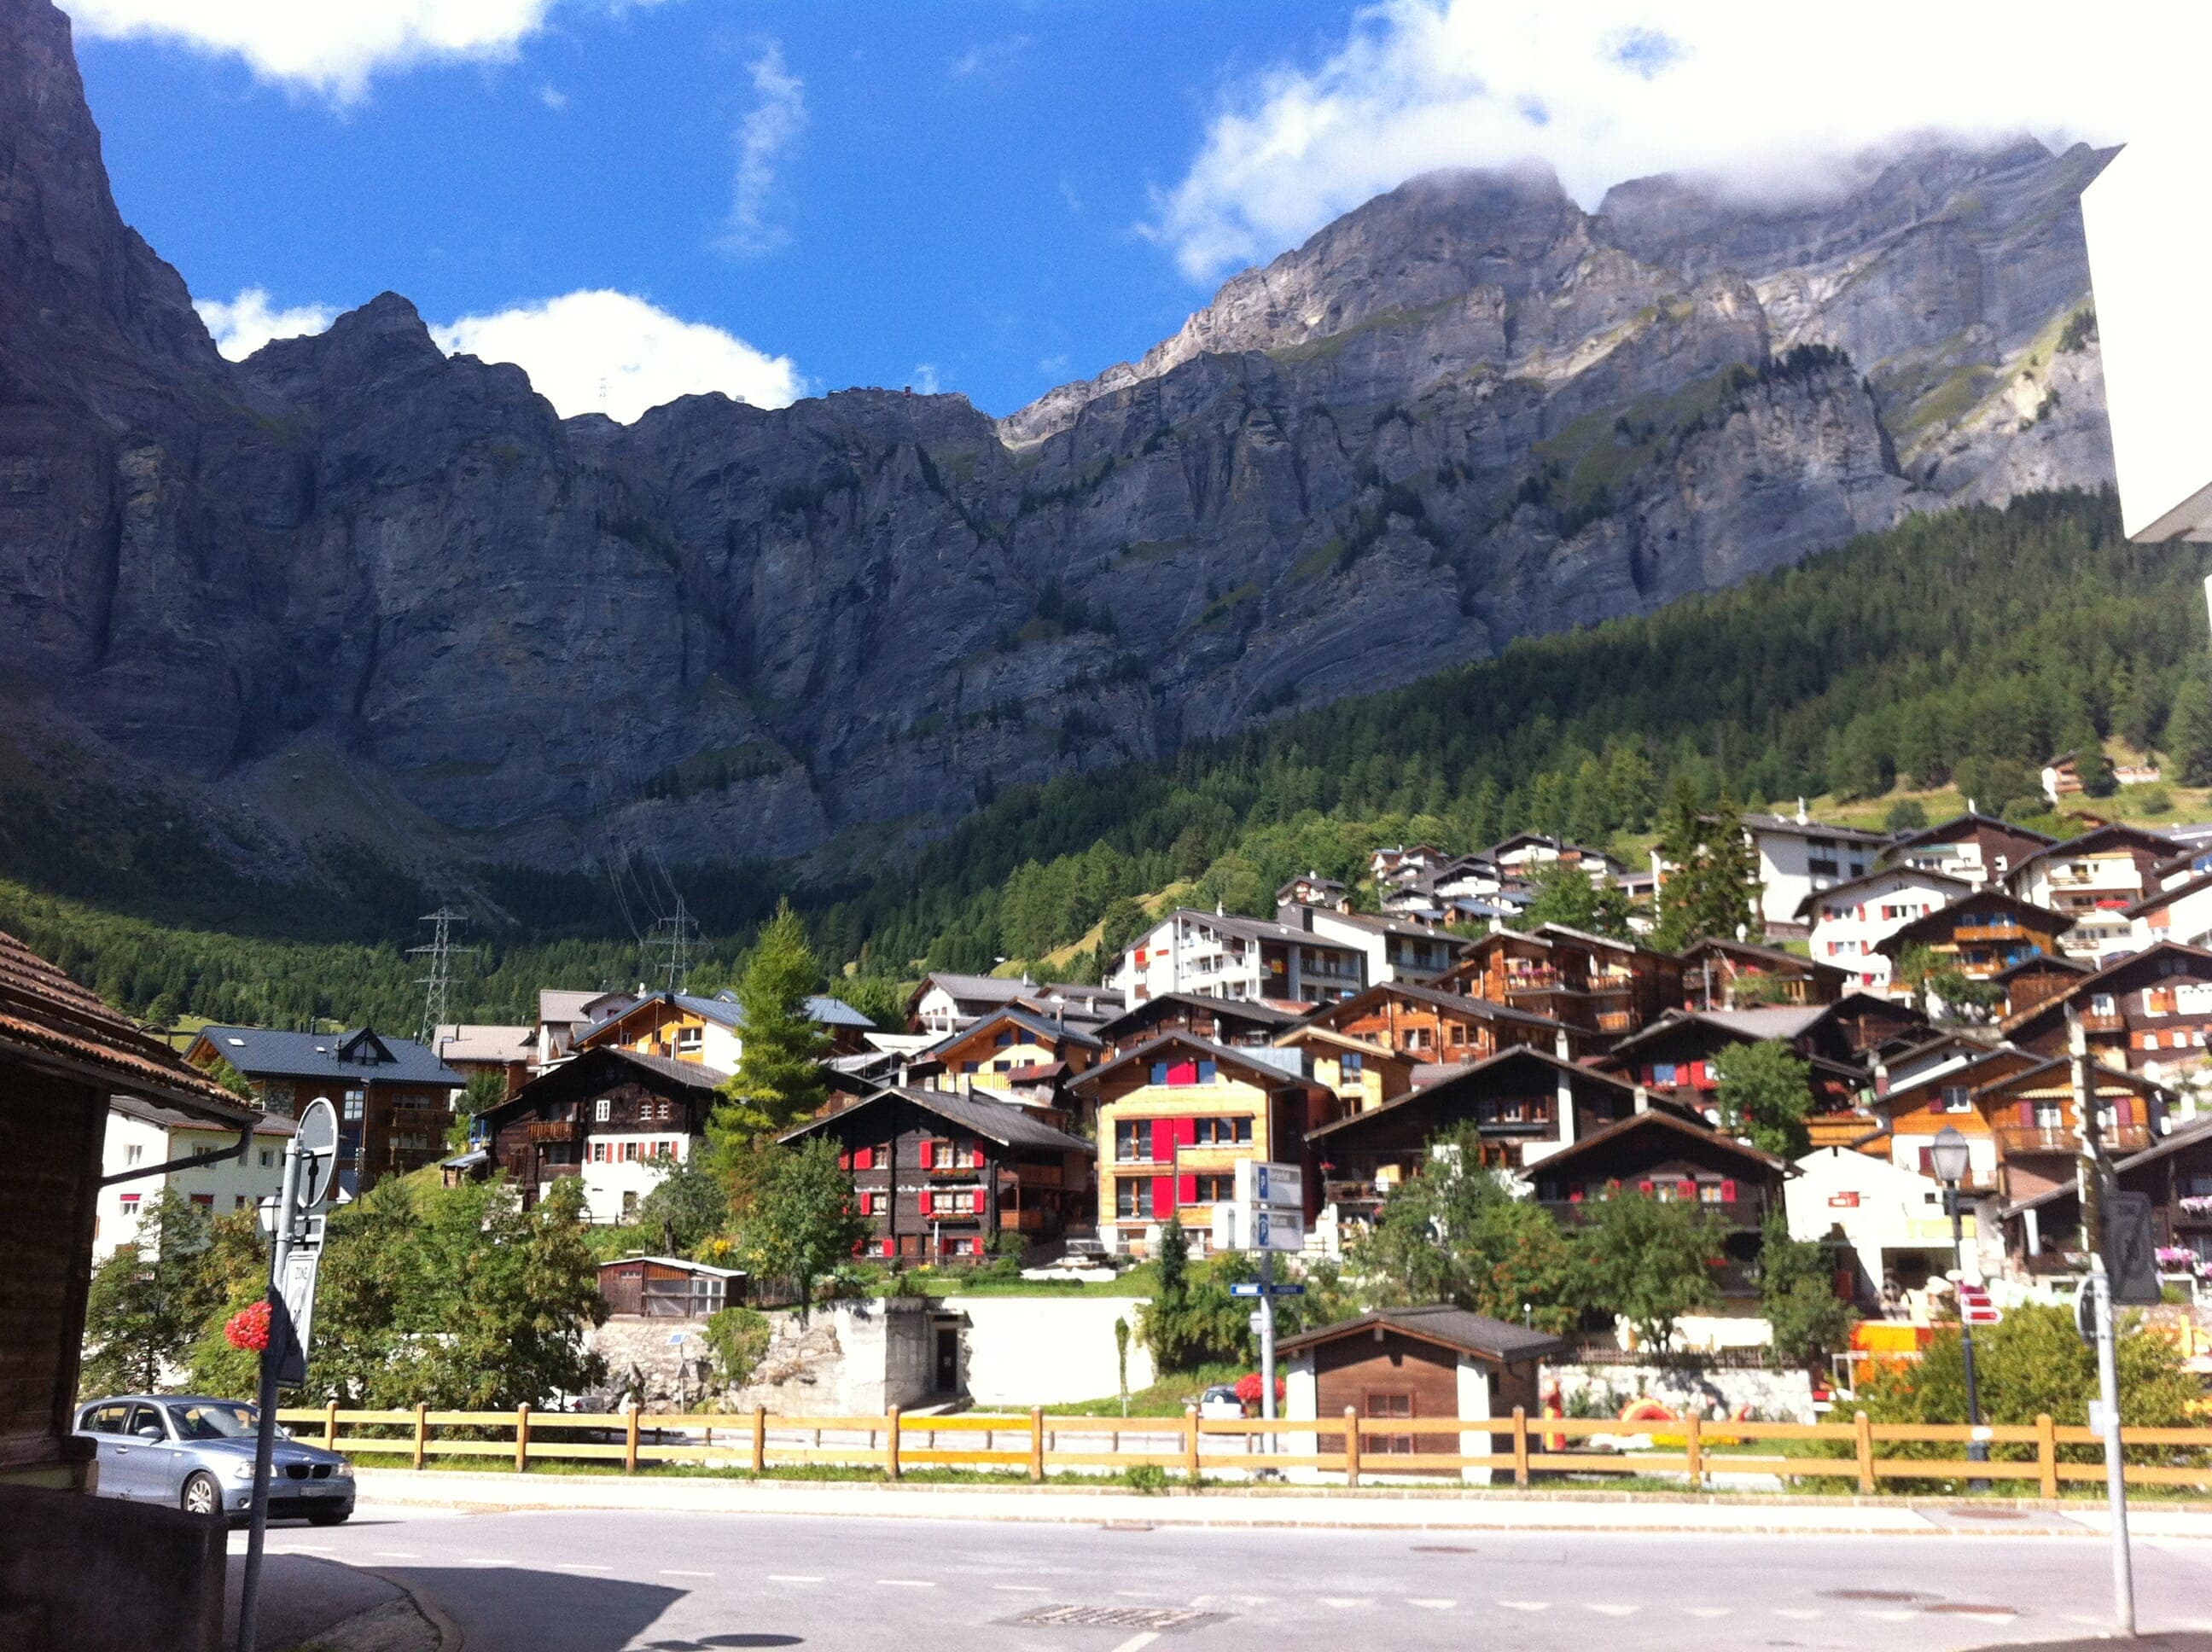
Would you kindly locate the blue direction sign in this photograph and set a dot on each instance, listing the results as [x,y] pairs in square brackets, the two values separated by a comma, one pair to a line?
[1253,1290]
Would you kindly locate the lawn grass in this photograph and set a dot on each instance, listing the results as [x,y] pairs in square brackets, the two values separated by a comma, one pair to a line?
[1166,1397]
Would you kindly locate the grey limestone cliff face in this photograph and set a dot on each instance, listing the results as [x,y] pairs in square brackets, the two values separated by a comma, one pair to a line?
[1468,411]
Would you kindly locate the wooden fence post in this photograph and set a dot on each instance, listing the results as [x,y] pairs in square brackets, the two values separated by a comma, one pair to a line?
[1520,1446]
[1037,1444]
[2046,1454]
[891,1444]
[521,1438]
[629,1442]
[1351,1445]
[1189,1442]
[1694,1449]
[1863,1438]
[760,1439]
[331,1426]
[422,1432]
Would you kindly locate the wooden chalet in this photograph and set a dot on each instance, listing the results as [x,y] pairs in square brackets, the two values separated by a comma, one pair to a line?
[1982,935]
[2037,980]
[1946,1093]
[1402,1364]
[2043,1232]
[1363,1074]
[63,1054]
[1663,1155]
[1176,1116]
[1231,1022]
[940,1177]
[1980,849]
[1725,975]
[2036,1124]
[668,1288]
[710,1031]
[1431,1024]
[1677,1056]
[1524,1104]
[2093,879]
[394,1097]
[1602,990]
[1017,1053]
[609,1114]
[2150,1011]
[1310,888]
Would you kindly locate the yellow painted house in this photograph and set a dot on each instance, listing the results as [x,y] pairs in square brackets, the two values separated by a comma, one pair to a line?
[1015,1049]
[1174,1117]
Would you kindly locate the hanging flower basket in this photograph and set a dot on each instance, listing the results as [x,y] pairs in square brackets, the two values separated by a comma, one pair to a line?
[248,1328]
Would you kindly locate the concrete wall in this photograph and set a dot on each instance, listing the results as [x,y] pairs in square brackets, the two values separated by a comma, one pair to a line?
[1030,1350]
[1775,1396]
[94,1572]
[852,1359]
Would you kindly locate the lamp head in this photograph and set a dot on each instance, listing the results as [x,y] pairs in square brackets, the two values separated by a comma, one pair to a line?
[1948,1156]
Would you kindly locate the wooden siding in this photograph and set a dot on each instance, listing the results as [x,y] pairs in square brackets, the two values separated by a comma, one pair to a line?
[51,1134]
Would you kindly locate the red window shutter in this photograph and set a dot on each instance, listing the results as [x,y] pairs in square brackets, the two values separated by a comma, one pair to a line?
[1185,1133]
[1164,1204]
[2027,1114]
[1645,1188]
[928,1202]
[1727,1192]
[1186,1190]
[928,1154]
[2123,1111]
[1183,1073]
[1688,1190]
[845,1160]
[864,1158]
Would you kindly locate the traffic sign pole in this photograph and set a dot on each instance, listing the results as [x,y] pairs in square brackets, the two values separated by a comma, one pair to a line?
[2091,1189]
[264,1438]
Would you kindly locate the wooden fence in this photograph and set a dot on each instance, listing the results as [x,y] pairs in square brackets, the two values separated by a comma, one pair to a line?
[1366,1448]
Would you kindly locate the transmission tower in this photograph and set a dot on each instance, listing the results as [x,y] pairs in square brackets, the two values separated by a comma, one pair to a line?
[675,934]
[441,952]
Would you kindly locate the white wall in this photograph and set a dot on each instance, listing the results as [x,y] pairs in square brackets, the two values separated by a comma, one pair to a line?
[228,1186]
[1474,1401]
[1030,1350]
[1896,1207]
[604,1185]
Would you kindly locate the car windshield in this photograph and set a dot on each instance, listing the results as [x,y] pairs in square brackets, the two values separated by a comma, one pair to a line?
[203,1420]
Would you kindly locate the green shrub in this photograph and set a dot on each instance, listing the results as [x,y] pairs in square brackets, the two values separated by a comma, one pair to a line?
[1147,1479]
[738,1337]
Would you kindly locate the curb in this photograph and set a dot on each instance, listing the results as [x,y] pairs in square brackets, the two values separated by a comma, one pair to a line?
[372,1631]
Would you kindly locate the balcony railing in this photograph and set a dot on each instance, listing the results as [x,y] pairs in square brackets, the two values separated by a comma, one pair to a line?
[2062,1138]
[1736,1212]
[2103,1023]
[552,1130]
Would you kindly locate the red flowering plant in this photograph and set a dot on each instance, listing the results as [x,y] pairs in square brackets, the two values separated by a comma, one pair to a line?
[1248,1388]
[248,1328]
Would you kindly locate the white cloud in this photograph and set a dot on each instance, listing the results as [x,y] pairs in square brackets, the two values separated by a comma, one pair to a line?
[924,378]
[989,58]
[330,47]
[247,322]
[777,117]
[604,351]
[554,99]
[1606,90]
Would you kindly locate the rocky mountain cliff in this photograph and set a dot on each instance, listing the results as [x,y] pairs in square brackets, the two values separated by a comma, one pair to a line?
[353,584]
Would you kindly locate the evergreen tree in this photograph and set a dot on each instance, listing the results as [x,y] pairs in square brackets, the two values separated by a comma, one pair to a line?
[1712,882]
[779,1081]
[2187,739]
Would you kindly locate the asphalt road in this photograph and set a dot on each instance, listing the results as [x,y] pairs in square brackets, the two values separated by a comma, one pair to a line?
[599,1581]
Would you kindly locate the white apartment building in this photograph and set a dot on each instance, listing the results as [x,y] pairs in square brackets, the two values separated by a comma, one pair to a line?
[1849,919]
[1396,950]
[1894,1217]
[140,1135]
[2180,912]
[2094,879]
[1799,857]
[1217,954]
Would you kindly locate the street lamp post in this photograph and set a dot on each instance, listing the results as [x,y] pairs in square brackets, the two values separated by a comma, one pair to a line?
[1949,1157]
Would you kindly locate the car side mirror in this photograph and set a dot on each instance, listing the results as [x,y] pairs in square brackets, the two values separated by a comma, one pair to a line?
[149,1432]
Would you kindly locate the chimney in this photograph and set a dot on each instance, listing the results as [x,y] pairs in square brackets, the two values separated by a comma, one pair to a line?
[1566,1092]
[1642,1099]
[1220,909]
[1801,815]
[902,1070]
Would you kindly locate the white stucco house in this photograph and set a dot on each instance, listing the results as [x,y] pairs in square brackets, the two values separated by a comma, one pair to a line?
[140,1135]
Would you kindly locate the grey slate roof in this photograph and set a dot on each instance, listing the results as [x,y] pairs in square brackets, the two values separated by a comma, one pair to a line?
[1453,1327]
[263,1053]
[999,1122]
[724,1009]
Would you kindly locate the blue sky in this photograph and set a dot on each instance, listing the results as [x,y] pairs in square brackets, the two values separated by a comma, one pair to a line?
[963,194]
[634,198]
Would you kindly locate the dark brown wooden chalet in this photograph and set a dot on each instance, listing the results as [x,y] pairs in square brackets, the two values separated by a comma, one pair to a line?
[1603,989]
[1725,975]
[1980,848]
[1664,1157]
[1677,1056]
[2150,1011]
[941,1177]
[1981,933]
[1858,1024]
[62,1054]
[1525,1103]
[1431,1024]
[668,1287]
[2043,1232]
[1230,1023]
[1403,1365]
[594,1114]
[2036,981]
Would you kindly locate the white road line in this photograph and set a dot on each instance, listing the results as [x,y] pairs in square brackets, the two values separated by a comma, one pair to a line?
[1898,1614]
[905,1583]
[1139,1642]
[1020,1588]
[578,1565]
[1526,1606]
[1803,1614]
[1343,1603]
[1708,1611]
[669,1571]
[396,1554]
[1433,1605]
[1609,1611]
[486,1560]
[790,1577]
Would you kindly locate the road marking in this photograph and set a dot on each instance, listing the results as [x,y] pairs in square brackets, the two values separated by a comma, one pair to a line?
[1526,1606]
[1019,1588]
[578,1565]
[1609,1611]
[1342,1602]
[669,1571]
[1802,1613]
[1433,1605]
[1139,1642]
[396,1554]
[904,1583]
[1898,1615]
[1708,1611]
[790,1577]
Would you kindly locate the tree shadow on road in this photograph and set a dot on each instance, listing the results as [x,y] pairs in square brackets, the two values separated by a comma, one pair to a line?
[512,1609]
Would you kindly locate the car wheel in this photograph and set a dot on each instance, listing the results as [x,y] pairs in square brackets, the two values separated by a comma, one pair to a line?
[201,1495]
[329,1516]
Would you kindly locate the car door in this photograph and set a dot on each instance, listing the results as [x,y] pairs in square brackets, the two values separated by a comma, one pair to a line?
[157,1464]
[105,1425]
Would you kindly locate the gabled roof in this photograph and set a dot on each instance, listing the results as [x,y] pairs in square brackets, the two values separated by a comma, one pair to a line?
[1257,1011]
[1004,1122]
[2166,897]
[556,1004]
[1783,1022]
[1459,1003]
[168,1118]
[1881,874]
[1936,1078]
[724,1009]
[1658,1119]
[1028,1020]
[1950,913]
[361,1055]
[2054,1004]
[606,1065]
[1455,1328]
[1761,823]
[2042,961]
[1959,826]
[2097,841]
[2099,1073]
[1773,956]
[1448,1077]
[459,1041]
[1245,1060]
[48,1021]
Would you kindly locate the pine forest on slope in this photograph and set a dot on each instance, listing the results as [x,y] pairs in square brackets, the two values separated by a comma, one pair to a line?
[1965,647]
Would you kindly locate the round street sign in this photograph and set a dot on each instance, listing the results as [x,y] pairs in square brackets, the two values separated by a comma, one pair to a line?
[317,1139]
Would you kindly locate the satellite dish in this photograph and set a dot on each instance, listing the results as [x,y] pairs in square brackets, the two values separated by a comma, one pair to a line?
[317,1143]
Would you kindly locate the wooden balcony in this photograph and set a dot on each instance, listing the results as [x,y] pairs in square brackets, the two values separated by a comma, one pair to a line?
[541,1130]
[2003,931]
[1734,1212]
[2103,1023]
[2061,1139]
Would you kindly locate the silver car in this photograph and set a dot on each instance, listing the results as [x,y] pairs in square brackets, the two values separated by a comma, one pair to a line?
[196,1453]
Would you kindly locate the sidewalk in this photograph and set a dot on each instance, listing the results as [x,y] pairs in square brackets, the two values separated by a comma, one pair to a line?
[1379,1509]
[335,1608]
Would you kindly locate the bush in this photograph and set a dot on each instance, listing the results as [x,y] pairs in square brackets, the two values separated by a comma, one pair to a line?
[1905,815]
[1146,1479]
[738,1337]
[2154,799]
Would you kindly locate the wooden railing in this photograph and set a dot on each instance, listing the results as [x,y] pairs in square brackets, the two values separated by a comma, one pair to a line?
[1515,1447]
